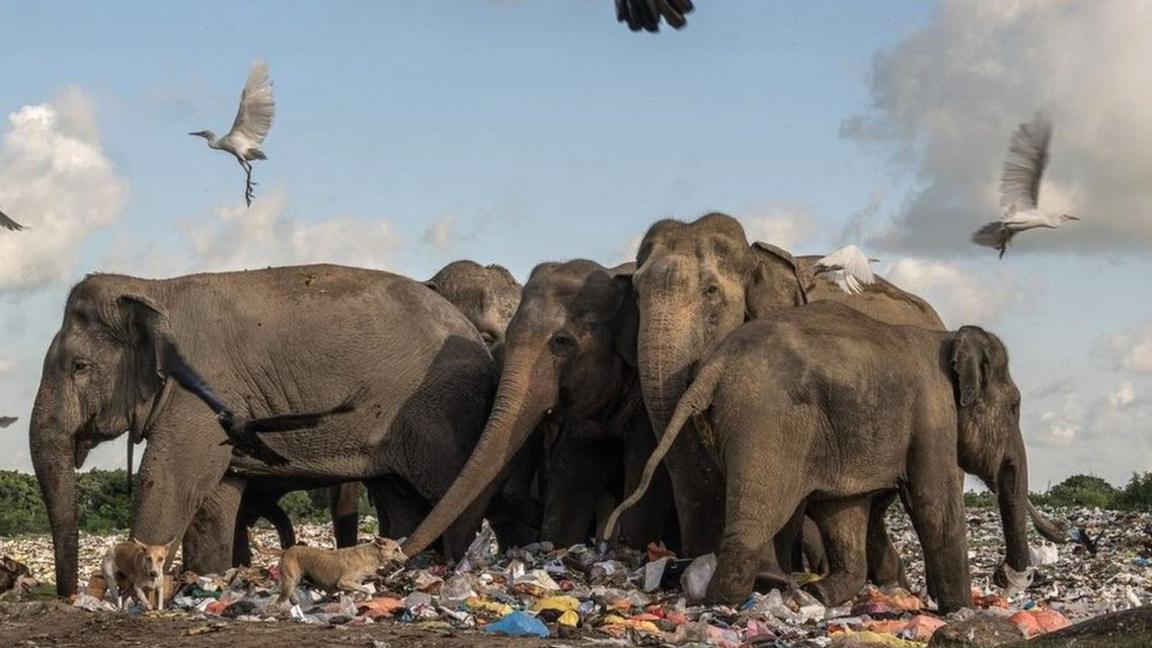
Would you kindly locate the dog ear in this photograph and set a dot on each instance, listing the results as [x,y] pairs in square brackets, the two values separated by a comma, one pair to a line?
[137,542]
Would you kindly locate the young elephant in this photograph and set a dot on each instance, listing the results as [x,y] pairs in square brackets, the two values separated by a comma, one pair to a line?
[825,405]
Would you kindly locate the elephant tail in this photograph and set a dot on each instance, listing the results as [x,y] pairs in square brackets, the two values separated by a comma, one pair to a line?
[696,399]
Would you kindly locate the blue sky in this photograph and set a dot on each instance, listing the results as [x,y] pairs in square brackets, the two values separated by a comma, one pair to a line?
[411,134]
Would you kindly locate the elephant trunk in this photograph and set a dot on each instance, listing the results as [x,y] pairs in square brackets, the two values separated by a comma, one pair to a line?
[664,354]
[54,457]
[528,388]
[1012,496]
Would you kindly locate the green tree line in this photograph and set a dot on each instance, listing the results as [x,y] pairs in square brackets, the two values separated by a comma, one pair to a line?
[104,504]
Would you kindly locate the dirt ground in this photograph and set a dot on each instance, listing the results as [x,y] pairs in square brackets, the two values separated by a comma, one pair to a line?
[55,625]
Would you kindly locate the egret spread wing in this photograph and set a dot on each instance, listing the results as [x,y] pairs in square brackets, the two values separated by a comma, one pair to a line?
[257,107]
[9,224]
[646,14]
[1027,157]
[855,264]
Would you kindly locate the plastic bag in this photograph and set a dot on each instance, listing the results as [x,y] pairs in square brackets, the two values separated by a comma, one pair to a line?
[518,624]
[695,579]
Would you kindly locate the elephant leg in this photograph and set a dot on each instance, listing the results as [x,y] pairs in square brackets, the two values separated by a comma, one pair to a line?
[843,525]
[698,491]
[812,547]
[241,541]
[776,575]
[761,499]
[282,523]
[208,539]
[579,474]
[344,504]
[648,520]
[936,498]
[400,509]
[884,565]
[515,514]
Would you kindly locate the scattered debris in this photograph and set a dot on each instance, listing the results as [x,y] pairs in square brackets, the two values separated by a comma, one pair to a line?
[639,597]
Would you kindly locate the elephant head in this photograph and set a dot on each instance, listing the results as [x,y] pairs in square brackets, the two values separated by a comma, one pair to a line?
[990,444]
[487,295]
[695,283]
[566,356]
[100,379]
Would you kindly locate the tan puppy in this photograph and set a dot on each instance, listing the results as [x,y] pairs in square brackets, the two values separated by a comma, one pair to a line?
[136,567]
[334,569]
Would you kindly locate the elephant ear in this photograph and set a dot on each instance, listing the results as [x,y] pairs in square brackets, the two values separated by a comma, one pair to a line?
[145,331]
[970,363]
[772,281]
[627,319]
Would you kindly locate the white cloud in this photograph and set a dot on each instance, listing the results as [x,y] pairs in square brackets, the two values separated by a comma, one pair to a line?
[239,238]
[441,234]
[7,366]
[947,98]
[628,251]
[58,183]
[785,227]
[959,295]
[1133,349]
[1124,395]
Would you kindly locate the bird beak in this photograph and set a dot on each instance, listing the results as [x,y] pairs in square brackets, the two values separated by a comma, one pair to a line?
[194,134]
[1071,217]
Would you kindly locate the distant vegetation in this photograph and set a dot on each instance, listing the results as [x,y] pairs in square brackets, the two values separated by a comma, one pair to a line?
[104,505]
[104,502]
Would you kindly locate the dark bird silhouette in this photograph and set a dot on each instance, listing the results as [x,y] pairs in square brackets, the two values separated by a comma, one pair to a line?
[5,421]
[646,14]
[244,434]
[9,224]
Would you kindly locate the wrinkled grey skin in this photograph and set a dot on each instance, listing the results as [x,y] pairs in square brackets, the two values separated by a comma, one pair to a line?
[271,342]
[487,296]
[696,283]
[568,359]
[826,406]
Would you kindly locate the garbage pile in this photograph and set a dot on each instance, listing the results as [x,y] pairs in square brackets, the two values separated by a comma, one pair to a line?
[640,596]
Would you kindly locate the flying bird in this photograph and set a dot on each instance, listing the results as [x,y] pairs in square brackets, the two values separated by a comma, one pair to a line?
[848,267]
[253,120]
[5,421]
[244,434]
[646,14]
[9,224]
[1020,188]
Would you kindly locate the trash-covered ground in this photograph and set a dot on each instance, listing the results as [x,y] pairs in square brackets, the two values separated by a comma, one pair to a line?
[573,595]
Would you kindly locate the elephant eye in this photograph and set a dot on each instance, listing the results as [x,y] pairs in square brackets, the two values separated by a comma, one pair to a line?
[712,290]
[488,337]
[562,344]
[80,365]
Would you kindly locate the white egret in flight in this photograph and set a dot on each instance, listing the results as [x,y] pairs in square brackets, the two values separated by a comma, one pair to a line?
[848,267]
[9,224]
[646,14]
[1020,187]
[253,120]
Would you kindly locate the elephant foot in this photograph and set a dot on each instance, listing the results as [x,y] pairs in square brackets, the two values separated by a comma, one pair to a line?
[834,590]
[734,578]
[773,579]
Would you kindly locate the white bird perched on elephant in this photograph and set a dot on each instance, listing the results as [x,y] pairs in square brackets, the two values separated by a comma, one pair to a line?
[1020,187]
[848,267]
[9,224]
[253,121]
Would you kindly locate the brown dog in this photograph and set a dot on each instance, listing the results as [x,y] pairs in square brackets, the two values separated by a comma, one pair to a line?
[14,578]
[136,567]
[333,569]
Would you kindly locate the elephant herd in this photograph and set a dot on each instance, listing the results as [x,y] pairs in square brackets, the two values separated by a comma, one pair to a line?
[541,408]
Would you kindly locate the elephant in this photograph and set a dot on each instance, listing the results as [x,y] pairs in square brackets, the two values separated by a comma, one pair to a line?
[569,359]
[825,406]
[696,283]
[487,296]
[272,342]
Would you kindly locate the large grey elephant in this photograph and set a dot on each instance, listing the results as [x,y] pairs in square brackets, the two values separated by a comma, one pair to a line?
[568,359]
[487,296]
[696,283]
[271,342]
[825,406]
